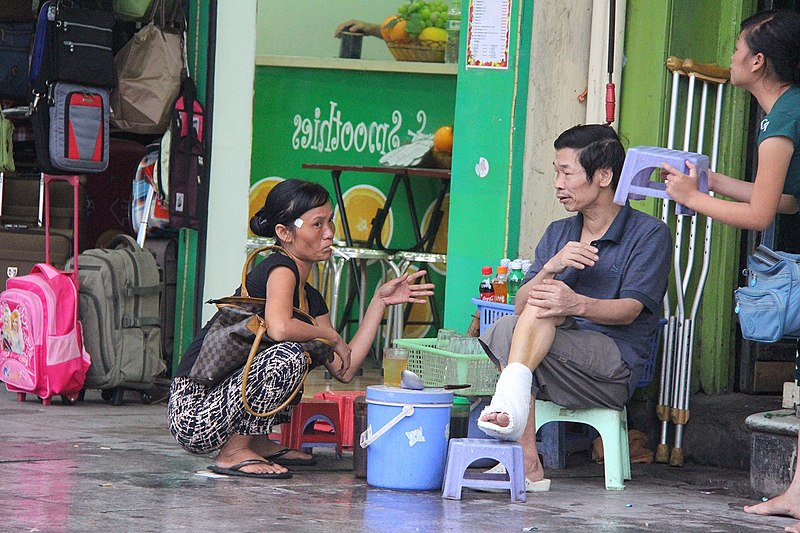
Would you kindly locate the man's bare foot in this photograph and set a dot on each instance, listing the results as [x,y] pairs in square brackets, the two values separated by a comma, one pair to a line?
[501,419]
[794,528]
[784,505]
[237,449]
[266,447]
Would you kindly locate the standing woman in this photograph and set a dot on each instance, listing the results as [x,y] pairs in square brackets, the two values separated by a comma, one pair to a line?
[299,216]
[766,63]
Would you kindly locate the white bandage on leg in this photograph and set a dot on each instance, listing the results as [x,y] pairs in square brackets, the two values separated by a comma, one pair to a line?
[512,396]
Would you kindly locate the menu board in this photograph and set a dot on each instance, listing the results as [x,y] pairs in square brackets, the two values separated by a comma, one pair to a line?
[487,34]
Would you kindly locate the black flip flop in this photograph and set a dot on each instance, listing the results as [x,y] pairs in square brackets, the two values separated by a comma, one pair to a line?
[236,470]
[288,461]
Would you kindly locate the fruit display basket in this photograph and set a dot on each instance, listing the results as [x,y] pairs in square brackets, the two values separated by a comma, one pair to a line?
[438,368]
[442,160]
[425,51]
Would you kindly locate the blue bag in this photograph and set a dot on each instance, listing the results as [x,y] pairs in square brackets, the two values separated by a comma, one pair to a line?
[769,307]
[15,45]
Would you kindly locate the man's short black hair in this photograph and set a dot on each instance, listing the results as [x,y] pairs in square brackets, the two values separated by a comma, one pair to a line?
[599,147]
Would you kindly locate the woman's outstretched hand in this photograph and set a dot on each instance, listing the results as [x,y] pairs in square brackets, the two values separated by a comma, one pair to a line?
[403,290]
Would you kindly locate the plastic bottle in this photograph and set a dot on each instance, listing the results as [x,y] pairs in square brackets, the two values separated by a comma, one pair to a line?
[499,285]
[486,290]
[514,280]
[453,32]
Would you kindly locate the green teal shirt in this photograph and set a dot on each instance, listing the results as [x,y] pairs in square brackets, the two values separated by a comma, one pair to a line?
[784,121]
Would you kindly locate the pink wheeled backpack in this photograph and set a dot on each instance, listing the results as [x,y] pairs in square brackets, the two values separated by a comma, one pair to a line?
[42,342]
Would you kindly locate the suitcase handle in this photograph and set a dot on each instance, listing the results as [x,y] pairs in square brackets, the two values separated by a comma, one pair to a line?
[75,182]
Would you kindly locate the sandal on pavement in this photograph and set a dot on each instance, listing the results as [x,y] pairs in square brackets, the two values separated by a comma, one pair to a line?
[543,485]
[236,470]
[289,461]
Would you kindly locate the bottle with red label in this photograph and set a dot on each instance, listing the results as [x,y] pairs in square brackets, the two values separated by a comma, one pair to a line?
[485,289]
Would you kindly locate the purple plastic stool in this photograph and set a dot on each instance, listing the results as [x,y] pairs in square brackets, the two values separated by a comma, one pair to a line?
[463,452]
[641,161]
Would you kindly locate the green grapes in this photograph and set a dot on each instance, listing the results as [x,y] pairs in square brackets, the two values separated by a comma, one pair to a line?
[420,15]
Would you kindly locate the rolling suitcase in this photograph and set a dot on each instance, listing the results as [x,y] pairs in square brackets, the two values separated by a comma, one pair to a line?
[165,250]
[42,348]
[22,237]
[24,205]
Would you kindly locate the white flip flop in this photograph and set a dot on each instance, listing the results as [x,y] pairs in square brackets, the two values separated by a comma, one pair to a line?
[543,485]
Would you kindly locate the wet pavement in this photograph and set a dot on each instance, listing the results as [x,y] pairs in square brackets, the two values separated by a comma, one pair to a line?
[95,467]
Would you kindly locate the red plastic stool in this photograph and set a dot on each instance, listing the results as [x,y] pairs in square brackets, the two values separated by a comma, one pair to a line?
[308,413]
[344,399]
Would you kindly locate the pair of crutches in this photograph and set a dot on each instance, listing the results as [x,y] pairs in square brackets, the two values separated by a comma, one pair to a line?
[678,347]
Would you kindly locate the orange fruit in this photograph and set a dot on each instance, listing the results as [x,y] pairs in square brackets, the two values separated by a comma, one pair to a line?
[443,139]
[398,33]
[362,203]
[258,194]
[385,30]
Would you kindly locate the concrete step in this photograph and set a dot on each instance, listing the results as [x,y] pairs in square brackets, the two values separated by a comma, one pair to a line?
[773,455]
[715,434]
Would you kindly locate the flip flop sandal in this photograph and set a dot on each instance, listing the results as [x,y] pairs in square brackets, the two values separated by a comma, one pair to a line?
[236,470]
[288,461]
[542,485]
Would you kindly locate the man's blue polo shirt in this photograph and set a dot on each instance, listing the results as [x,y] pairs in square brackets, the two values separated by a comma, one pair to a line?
[635,261]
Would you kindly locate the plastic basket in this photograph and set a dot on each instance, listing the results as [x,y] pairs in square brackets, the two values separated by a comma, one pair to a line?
[491,311]
[650,365]
[438,368]
[425,51]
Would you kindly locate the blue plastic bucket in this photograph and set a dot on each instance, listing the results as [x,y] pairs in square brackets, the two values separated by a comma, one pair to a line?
[406,437]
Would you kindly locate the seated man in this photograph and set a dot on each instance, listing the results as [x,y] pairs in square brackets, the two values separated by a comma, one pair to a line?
[589,305]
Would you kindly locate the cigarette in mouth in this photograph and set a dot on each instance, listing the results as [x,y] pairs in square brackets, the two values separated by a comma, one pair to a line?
[339,253]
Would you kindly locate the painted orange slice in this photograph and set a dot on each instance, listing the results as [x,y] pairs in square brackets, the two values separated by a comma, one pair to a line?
[258,194]
[362,203]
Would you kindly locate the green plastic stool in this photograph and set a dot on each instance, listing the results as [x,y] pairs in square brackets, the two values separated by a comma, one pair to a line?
[613,428]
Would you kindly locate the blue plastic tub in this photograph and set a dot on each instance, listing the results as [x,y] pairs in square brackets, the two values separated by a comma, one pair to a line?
[406,437]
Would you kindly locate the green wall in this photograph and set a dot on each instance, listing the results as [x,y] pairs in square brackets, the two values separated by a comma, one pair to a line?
[706,31]
[308,115]
[490,123]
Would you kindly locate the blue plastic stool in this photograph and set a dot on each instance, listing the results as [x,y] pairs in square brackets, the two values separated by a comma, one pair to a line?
[641,161]
[463,452]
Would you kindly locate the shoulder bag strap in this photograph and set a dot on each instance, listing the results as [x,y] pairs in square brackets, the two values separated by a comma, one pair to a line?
[262,330]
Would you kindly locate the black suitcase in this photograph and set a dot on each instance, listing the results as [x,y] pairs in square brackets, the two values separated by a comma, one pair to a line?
[165,250]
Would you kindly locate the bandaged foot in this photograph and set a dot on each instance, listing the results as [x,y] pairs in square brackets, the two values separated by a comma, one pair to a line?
[512,399]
